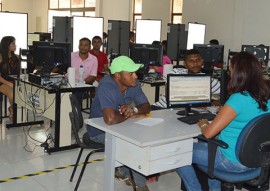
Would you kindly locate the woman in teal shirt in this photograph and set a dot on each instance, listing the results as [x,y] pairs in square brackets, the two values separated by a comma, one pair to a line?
[249,98]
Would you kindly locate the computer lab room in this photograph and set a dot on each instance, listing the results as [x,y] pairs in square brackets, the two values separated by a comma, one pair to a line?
[134,95]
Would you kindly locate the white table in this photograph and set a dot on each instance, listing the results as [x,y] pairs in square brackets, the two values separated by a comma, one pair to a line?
[146,149]
[52,103]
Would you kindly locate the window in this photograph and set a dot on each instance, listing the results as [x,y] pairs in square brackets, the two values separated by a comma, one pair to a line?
[70,8]
[75,7]
[176,11]
[177,6]
[137,11]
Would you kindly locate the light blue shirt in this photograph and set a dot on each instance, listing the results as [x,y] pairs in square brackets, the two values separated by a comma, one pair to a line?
[246,109]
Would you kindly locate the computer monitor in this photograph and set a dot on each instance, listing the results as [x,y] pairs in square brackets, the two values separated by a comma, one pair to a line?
[146,54]
[49,55]
[260,51]
[32,37]
[44,36]
[188,90]
[210,53]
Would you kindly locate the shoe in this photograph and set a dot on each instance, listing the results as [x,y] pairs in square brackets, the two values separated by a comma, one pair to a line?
[145,188]
[120,177]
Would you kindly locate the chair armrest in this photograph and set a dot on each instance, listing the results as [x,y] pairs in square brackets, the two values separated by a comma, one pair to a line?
[212,149]
[214,141]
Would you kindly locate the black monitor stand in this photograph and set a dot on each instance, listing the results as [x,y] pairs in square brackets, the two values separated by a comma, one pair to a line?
[187,111]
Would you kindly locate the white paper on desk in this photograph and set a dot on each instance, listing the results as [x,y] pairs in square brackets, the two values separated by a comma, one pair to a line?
[149,121]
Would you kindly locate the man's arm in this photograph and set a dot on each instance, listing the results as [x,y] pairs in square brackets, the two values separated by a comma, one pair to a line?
[125,111]
[90,79]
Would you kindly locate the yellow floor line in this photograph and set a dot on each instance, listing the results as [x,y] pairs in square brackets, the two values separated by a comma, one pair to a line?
[46,171]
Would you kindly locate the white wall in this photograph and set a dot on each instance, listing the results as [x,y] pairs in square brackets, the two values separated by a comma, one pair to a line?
[114,10]
[157,9]
[232,22]
[37,12]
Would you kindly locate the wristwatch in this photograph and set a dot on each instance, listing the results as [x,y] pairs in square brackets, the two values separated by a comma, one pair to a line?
[135,109]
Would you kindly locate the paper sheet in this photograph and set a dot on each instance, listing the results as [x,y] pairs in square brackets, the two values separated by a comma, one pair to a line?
[150,121]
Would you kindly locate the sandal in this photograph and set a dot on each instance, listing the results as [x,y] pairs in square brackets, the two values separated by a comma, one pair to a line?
[10,110]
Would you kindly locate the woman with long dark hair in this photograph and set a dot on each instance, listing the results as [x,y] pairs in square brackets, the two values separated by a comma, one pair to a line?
[9,65]
[249,98]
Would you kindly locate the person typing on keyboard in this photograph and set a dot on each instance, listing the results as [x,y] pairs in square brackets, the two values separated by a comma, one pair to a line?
[249,98]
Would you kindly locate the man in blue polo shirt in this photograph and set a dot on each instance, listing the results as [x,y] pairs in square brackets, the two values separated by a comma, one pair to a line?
[119,97]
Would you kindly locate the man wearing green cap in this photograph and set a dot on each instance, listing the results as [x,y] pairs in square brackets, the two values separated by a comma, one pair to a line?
[119,97]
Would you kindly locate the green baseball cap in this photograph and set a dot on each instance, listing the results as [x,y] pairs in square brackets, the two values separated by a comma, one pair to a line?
[124,63]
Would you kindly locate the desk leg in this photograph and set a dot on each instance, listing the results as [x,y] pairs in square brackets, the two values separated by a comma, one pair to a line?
[157,94]
[110,153]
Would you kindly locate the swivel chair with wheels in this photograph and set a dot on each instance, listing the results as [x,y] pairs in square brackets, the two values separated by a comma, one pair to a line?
[76,119]
[252,150]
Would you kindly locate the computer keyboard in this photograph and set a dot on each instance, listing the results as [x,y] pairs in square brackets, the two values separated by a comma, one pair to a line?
[192,119]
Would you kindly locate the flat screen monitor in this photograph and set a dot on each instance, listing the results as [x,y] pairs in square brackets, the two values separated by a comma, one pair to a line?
[188,90]
[261,52]
[44,36]
[32,37]
[196,34]
[49,55]
[146,54]
[210,53]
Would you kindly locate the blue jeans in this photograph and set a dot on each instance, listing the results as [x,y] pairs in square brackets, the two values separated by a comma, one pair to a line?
[200,156]
[139,179]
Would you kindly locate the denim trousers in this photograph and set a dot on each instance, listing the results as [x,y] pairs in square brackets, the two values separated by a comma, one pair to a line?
[200,156]
[139,179]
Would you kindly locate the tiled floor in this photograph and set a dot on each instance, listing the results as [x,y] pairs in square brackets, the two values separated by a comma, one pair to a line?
[21,155]
[16,161]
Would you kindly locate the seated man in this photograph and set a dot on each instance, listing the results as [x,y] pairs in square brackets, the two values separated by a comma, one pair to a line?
[88,61]
[119,97]
[193,63]
[103,67]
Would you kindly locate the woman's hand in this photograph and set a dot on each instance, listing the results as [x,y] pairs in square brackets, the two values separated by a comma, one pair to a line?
[203,124]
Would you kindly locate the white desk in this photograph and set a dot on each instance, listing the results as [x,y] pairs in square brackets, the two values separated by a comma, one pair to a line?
[148,150]
[53,103]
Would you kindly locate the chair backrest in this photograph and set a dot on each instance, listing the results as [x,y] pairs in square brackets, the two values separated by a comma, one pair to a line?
[253,144]
[76,112]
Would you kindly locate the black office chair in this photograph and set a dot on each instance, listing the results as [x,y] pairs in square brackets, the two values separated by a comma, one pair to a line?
[76,119]
[252,150]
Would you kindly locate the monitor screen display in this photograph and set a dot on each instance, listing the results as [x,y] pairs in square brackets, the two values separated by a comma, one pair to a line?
[188,90]
[261,52]
[32,37]
[210,53]
[49,55]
